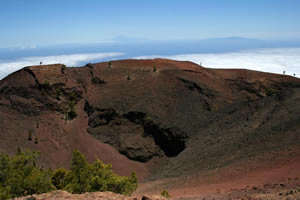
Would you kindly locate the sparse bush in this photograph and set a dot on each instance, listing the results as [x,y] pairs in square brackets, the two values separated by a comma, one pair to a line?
[18,150]
[59,93]
[71,109]
[29,135]
[147,119]
[73,96]
[63,67]
[269,91]
[97,80]
[154,68]
[165,193]
[71,112]
[45,85]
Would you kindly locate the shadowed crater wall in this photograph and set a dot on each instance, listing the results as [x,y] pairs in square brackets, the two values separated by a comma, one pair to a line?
[134,134]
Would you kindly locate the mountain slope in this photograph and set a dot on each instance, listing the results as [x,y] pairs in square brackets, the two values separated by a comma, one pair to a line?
[161,118]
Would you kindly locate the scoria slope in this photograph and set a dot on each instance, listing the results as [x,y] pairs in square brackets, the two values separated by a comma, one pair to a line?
[160,118]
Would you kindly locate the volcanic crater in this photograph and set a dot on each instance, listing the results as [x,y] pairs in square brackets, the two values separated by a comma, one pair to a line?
[164,119]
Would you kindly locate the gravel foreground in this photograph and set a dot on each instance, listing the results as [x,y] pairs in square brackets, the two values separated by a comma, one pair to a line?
[63,195]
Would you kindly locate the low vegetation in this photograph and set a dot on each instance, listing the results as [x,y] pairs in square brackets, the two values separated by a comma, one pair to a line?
[71,112]
[19,176]
[59,93]
[71,109]
[165,193]
[63,68]
[44,85]
[154,68]
[109,64]
[36,140]
[29,135]
[269,91]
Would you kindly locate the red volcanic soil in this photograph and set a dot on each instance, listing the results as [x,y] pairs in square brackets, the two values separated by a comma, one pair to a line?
[253,179]
[181,127]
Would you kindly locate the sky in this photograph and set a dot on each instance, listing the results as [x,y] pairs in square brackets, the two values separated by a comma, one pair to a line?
[30,23]
[261,35]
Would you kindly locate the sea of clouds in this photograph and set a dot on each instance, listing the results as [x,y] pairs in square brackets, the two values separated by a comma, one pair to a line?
[266,60]
[274,60]
[7,67]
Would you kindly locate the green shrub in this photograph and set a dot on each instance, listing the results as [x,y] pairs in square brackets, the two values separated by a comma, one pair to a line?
[154,68]
[19,175]
[269,91]
[97,176]
[4,194]
[147,120]
[38,181]
[29,135]
[63,67]
[45,87]
[45,84]
[165,193]
[18,150]
[59,178]
[71,112]
[59,93]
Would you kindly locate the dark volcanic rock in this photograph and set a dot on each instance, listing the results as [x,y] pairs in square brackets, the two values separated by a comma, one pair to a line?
[134,134]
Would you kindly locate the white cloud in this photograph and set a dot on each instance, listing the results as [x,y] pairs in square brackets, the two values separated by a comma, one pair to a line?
[7,67]
[267,60]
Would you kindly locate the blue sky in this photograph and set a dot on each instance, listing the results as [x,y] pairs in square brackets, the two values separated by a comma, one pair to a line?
[260,35]
[26,23]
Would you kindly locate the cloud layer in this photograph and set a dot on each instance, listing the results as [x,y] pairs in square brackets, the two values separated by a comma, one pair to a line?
[267,60]
[7,67]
